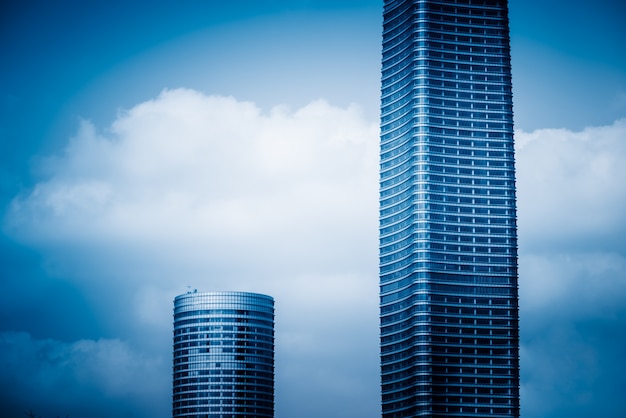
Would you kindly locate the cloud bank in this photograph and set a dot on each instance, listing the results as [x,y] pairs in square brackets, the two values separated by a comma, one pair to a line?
[189,184]
[211,192]
[214,193]
[571,198]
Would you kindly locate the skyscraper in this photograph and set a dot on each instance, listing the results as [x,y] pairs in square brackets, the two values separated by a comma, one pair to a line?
[223,355]
[448,236]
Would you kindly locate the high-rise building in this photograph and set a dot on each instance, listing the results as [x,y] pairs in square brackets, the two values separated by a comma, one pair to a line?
[223,355]
[448,236]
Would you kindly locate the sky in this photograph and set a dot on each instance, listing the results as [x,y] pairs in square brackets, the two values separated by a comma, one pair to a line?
[150,147]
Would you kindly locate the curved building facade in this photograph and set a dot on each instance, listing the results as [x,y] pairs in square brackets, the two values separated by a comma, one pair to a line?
[223,355]
[448,235]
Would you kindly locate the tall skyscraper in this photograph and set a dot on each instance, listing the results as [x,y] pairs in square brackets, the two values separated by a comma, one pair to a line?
[223,355]
[448,236]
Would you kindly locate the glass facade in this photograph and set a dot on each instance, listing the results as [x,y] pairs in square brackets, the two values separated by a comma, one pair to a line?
[448,235]
[223,355]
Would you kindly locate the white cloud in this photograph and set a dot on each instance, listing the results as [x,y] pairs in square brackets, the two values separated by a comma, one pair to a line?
[556,281]
[571,184]
[211,172]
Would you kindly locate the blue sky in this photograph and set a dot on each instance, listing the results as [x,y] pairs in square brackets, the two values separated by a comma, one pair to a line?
[148,147]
